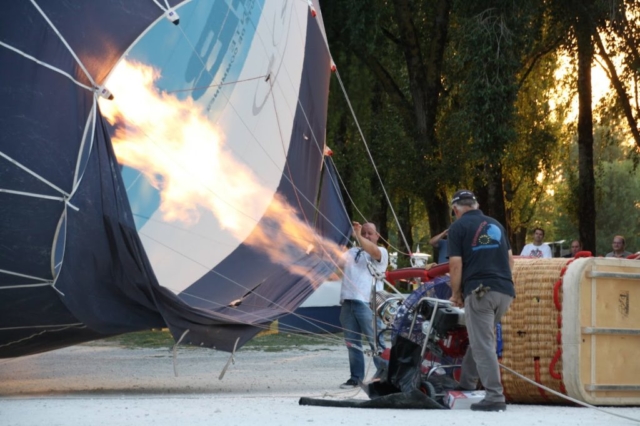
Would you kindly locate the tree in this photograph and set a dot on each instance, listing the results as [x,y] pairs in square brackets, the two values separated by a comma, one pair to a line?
[405,57]
[623,38]
[455,93]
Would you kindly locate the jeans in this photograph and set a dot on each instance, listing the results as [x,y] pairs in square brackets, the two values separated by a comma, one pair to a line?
[356,318]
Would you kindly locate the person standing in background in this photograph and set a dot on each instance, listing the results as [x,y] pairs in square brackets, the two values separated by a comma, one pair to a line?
[576,246]
[537,249]
[439,242]
[618,246]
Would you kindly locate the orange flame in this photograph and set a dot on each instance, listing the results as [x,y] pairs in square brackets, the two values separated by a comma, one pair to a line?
[173,143]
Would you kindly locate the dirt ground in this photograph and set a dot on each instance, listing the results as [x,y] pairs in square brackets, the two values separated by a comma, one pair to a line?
[110,385]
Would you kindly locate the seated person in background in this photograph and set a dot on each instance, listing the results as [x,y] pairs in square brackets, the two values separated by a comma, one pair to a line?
[440,243]
[576,246]
[537,248]
[618,248]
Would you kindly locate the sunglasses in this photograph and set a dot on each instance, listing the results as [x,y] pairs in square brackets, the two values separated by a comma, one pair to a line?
[358,254]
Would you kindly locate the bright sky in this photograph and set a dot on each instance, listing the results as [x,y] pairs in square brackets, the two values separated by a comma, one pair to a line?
[600,85]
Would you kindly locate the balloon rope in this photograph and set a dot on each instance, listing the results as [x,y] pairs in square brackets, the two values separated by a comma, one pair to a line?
[175,352]
[217,85]
[62,39]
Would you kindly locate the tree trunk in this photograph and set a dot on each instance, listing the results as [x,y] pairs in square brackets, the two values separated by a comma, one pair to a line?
[586,180]
[496,197]
[404,217]
[491,196]
[380,206]
[438,210]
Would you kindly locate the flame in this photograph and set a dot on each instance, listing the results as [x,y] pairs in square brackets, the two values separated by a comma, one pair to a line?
[174,144]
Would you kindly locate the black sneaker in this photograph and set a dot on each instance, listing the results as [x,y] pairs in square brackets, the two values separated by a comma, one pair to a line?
[349,384]
[485,405]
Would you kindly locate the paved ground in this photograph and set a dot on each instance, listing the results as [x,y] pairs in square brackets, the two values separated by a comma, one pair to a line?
[107,385]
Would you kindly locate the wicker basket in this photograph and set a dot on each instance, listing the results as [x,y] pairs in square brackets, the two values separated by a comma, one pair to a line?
[575,328]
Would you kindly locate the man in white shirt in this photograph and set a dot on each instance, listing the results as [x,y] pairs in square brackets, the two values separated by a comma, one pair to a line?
[537,249]
[356,315]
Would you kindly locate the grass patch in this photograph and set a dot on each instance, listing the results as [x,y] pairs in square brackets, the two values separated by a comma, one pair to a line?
[140,339]
[279,342]
[276,342]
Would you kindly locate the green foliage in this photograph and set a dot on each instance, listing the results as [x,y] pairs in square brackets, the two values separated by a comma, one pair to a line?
[531,164]
[618,206]
[501,112]
[155,338]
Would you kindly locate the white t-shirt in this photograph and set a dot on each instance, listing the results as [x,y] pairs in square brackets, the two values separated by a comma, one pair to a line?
[357,280]
[532,250]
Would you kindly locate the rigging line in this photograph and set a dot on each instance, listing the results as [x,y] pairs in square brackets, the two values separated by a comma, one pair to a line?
[367,148]
[34,174]
[360,212]
[273,97]
[184,255]
[47,284]
[175,352]
[230,103]
[336,187]
[247,289]
[318,18]
[253,135]
[31,277]
[370,156]
[188,170]
[355,118]
[80,64]
[211,190]
[231,360]
[64,248]
[251,132]
[44,64]
[32,194]
[293,237]
[315,139]
[297,192]
[40,333]
[286,157]
[326,336]
[92,125]
[568,398]
[265,318]
[344,186]
[41,326]
[320,150]
[224,94]
[160,5]
[128,188]
[188,231]
[216,85]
